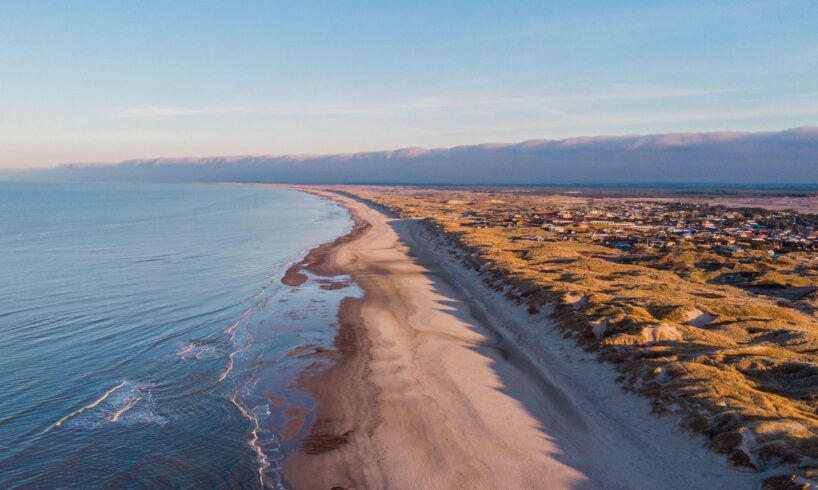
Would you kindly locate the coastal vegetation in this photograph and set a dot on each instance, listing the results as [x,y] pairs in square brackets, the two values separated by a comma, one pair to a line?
[716,327]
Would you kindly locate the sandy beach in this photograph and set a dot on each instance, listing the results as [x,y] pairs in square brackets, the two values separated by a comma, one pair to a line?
[440,382]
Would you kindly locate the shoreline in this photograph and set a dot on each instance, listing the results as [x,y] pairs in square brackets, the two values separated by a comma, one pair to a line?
[437,383]
[340,389]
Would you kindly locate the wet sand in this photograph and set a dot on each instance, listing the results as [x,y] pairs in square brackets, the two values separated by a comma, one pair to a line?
[439,382]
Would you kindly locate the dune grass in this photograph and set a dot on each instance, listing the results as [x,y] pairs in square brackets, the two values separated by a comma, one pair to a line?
[726,342]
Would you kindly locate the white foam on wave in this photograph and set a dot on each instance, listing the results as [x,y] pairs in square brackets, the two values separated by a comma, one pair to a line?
[197,352]
[253,442]
[231,361]
[206,352]
[231,330]
[120,405]
[184,350]
[124,409]
[89,406]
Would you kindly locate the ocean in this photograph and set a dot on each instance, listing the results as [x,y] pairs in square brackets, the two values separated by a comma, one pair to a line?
[146,340]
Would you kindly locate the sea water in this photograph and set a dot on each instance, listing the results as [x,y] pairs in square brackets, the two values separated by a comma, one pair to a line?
[145,337]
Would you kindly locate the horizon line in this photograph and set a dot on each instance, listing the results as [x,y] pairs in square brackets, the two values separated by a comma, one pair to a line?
[308,156]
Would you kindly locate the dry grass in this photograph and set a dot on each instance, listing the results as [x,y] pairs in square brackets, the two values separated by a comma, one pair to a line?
[727,342]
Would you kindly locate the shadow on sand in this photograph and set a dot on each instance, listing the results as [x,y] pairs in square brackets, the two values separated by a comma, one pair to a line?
[585,444]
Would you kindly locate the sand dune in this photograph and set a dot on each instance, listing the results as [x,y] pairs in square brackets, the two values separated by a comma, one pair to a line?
[448,385]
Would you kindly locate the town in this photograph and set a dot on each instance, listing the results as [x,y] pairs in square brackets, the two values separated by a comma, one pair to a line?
[624,223]
[708,310]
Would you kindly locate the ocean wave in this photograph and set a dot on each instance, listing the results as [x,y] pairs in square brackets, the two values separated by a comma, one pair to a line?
[184,350]
[127,403]
[124,409]
[231,330]
[206,352]
[88,407]
[231,361]
[198,352]
[255,444]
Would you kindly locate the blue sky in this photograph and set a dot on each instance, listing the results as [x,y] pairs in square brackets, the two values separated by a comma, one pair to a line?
[84,81]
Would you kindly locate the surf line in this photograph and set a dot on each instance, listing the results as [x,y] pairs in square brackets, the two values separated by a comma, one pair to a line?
[87,407]
[261,458]
[232,328]
[127,407]
[230,362]
[185,349]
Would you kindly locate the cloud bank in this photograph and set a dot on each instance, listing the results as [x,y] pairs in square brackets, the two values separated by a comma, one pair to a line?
[789,156]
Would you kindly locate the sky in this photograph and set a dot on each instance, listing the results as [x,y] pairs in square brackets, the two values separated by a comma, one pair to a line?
[103,81]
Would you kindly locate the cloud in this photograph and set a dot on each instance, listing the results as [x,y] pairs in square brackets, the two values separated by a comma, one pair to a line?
[164,111]
[470,103]
[728,157]
[569,122]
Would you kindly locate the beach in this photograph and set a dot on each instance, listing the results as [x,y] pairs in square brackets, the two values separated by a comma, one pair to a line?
[441,382]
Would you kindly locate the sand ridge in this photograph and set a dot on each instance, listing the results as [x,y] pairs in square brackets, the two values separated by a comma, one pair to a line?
[435,393]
